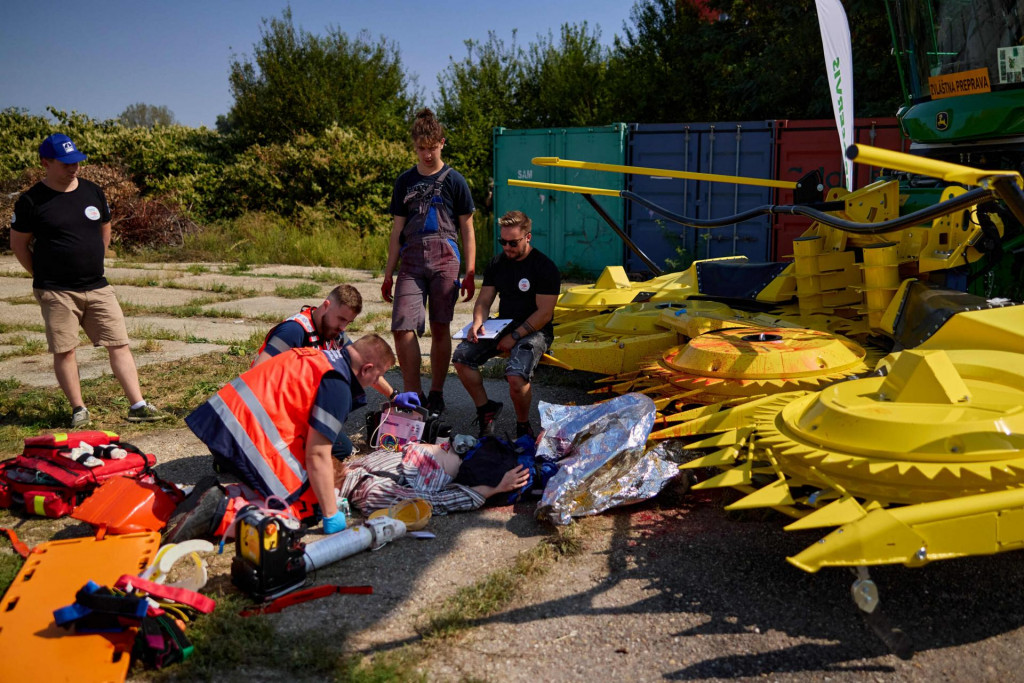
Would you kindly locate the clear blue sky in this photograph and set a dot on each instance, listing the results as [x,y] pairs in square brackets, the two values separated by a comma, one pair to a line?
[99,57]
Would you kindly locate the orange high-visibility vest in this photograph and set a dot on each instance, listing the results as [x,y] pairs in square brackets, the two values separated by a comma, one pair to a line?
[310,339]
[266,412]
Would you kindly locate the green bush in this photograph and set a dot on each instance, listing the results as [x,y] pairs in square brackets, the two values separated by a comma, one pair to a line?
[349,174]
[345,176]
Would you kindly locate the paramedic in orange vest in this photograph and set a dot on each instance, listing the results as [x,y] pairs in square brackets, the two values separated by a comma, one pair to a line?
[323,328]
[276,423]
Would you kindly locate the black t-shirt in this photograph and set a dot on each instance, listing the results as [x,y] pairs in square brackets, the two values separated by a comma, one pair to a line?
[519,282]
[68,249]
[454,193]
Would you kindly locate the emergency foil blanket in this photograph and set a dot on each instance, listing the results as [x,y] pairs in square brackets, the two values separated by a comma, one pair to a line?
[602,457]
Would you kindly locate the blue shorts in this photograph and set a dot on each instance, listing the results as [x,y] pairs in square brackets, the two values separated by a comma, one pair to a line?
[523,359]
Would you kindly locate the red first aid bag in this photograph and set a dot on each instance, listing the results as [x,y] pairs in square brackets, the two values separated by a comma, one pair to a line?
[47,482]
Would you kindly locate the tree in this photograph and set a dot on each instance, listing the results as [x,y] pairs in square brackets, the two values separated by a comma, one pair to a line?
[142,115]
[477,94]
[300,82]
[726,60]
[564,84]
[663,67]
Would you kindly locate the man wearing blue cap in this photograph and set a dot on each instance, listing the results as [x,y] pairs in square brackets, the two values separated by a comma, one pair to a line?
[60,232]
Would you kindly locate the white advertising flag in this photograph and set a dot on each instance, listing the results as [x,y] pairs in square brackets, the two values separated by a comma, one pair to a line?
[835,39]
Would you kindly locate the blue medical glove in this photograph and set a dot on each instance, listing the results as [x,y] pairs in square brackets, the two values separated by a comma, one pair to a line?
[334,523]
[410,400]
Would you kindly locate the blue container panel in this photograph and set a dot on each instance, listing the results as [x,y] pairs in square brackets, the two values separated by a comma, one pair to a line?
[673,147]
[736,149]
[744,149]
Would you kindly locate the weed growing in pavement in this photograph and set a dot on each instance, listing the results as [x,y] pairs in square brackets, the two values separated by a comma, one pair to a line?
[326,277]
[137,281]
[13,327]
[25,347]
[304,290]
[195,308]
[240,268]
[150,346]
[21,300]
[492,593]
[197,269]
[370,322]
[249,346]
[214,288]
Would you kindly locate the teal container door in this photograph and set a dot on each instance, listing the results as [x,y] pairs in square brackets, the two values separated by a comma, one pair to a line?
[565,226]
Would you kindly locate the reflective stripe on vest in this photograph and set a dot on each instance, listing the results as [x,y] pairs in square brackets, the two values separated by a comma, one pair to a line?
[311,338]
[266,412]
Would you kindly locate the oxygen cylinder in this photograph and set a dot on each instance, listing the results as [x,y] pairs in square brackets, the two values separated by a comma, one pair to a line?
[374,533]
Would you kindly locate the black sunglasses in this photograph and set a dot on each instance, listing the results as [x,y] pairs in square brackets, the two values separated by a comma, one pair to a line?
[510,243]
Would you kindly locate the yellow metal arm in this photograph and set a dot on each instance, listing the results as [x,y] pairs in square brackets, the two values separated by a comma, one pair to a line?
[566,188]
[911,163]
[661,172]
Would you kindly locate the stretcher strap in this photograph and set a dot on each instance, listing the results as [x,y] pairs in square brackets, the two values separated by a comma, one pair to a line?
[19,547]
[159,590]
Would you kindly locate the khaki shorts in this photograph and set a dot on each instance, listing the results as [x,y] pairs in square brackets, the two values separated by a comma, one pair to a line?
[96,311]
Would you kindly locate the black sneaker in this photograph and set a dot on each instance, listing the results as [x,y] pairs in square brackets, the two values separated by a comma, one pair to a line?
[199,515]
[434,402]
[525,429]
[485,416]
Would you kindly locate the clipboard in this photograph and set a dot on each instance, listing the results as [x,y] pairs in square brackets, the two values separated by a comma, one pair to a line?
[493,327]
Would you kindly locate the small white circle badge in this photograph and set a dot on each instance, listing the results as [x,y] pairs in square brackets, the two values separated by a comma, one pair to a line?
[14,218]
[92,213]
[524,285]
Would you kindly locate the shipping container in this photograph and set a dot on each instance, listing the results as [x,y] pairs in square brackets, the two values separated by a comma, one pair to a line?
[565,226]
[803,146]
[735,149]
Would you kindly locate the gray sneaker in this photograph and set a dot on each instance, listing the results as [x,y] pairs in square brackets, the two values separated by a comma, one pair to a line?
[146,413]
[80,417]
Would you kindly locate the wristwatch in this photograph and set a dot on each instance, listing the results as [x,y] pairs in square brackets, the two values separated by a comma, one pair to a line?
[516,336]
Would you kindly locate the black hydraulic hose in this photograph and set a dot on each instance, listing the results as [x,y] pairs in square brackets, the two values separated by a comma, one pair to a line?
[622,235]
[1006,188]
[970,198]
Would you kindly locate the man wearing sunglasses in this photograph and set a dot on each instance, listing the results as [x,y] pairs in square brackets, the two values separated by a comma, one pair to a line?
[527,283]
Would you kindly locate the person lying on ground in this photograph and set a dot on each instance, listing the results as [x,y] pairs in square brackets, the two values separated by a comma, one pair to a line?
[382,478]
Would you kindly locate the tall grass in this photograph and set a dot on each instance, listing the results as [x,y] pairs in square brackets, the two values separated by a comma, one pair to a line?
[268,238]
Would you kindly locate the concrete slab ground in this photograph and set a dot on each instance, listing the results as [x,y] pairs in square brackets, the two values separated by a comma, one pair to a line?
[157,296]
[224,331]
[131,273]
[264,285]
[37,371]
[20,314]
[263,305]
[13,287]
[337,275]
[21,336]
